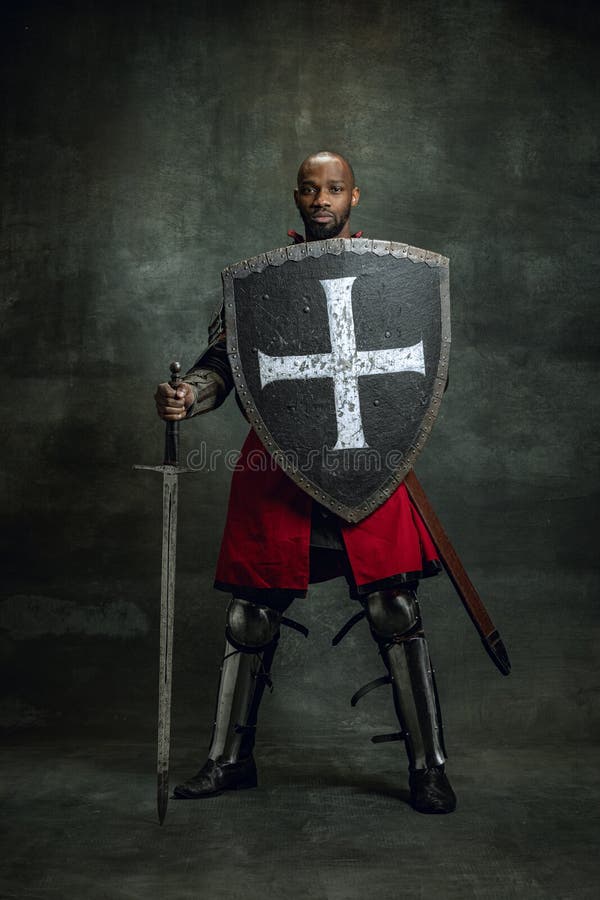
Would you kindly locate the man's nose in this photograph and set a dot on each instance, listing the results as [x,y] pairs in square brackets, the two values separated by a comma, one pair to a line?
[320,198]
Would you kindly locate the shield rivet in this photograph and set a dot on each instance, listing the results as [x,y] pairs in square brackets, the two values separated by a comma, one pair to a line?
[255,349]
[388,334]
[306,309]
[375,402]
[265,296]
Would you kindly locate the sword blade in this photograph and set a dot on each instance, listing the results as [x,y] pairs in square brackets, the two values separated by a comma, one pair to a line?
[167,618]
[463,585]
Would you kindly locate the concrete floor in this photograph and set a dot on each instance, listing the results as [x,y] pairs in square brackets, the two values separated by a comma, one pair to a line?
[329,822]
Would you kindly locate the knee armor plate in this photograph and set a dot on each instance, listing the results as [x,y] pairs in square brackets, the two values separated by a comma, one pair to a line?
[392,613]
[251,627]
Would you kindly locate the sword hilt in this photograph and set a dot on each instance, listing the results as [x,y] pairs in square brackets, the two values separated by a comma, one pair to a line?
[172,430]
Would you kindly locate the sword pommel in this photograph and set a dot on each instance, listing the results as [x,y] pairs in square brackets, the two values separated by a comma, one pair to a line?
[175,380]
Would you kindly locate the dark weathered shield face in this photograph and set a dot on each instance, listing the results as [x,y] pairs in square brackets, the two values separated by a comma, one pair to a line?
[339,351]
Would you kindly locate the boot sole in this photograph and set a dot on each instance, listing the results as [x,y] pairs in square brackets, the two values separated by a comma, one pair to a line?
[243,786]
[434,812]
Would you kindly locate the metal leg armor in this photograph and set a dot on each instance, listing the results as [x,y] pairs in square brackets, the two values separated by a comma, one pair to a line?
[252,635]
[395,624]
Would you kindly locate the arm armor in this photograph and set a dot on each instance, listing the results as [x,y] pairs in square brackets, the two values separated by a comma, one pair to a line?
[211,376]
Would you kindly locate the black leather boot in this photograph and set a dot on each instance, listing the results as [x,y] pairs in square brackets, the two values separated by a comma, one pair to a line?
[215,777]
[430,791]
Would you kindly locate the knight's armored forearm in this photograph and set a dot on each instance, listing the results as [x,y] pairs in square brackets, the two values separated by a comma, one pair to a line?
[211,379]
[209,391]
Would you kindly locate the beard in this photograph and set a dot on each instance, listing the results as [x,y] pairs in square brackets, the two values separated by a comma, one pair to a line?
[321,231]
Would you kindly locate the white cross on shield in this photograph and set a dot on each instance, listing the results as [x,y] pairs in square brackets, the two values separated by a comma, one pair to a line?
[345,364]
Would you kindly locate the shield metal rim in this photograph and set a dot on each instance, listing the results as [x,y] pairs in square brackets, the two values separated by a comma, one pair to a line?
[335,247]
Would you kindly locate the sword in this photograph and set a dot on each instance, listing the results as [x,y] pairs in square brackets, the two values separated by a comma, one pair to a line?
[490,636]
[170,472]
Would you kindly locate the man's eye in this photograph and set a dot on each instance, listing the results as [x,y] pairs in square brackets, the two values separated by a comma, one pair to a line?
[336,189]
[307,190]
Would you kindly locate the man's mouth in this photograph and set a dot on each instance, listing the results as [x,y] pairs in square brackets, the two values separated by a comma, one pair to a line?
[322,217]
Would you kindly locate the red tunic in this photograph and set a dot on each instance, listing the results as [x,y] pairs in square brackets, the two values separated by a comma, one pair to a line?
[267,533]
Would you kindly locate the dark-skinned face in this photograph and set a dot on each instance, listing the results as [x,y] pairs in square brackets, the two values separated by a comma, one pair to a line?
[325,197]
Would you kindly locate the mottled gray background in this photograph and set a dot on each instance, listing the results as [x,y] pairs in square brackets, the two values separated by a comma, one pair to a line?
[148,145]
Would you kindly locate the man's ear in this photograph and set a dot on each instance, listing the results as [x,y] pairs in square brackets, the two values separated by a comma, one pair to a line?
[355,196]
[296,197]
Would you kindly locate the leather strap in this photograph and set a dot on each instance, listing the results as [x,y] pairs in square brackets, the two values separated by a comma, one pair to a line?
[367,688]
[291,623]
[384,738]
[346,628]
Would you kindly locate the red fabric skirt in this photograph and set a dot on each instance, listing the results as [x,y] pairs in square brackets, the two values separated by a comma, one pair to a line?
[267,533]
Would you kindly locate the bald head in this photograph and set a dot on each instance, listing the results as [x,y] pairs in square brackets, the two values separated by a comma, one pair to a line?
[325,195]
[325,156]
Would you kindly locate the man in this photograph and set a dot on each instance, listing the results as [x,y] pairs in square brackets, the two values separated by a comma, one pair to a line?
[277,540]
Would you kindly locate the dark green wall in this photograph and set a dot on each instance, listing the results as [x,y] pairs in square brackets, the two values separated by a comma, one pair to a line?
[148,145]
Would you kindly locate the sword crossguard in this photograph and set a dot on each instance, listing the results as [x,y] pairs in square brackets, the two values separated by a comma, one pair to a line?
[166,469]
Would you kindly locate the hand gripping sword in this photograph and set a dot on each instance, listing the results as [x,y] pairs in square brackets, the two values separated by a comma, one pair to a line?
[170,472]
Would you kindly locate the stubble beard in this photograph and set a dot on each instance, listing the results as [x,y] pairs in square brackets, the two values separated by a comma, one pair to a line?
[321,231]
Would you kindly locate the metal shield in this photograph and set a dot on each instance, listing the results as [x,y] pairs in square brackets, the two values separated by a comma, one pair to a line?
[339,351]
